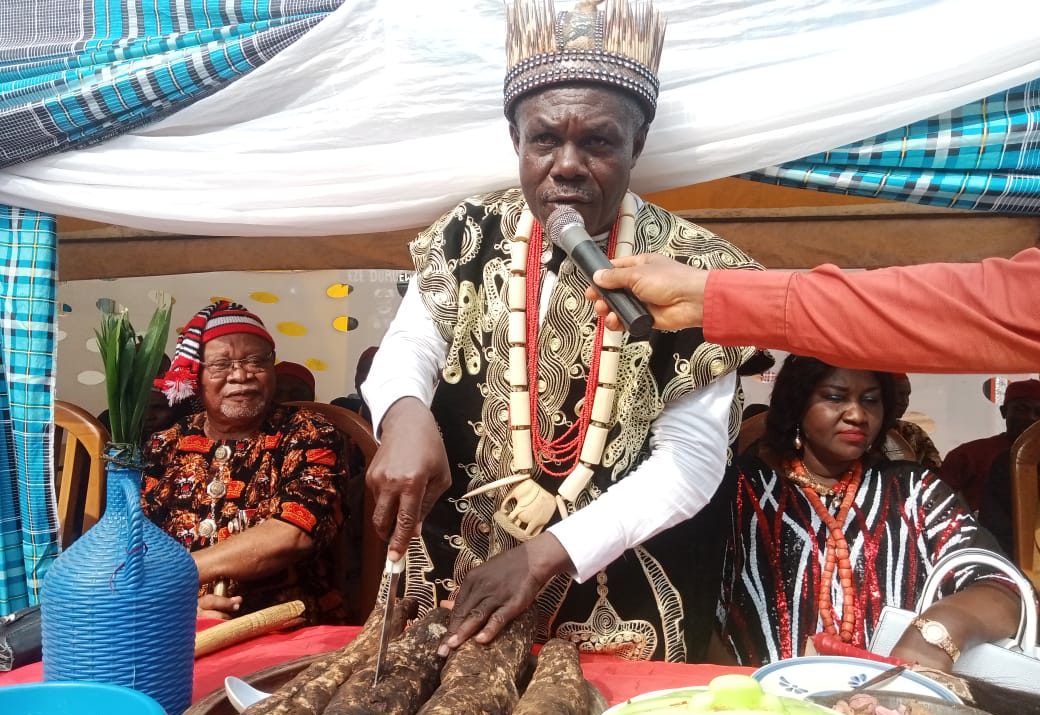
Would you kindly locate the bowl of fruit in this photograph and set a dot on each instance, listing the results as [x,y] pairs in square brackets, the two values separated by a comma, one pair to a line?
[731,694]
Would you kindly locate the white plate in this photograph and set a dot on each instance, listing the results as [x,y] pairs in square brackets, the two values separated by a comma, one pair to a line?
[801,677]
[797,708]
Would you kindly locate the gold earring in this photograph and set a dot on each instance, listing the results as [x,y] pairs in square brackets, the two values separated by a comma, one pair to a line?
[797,439]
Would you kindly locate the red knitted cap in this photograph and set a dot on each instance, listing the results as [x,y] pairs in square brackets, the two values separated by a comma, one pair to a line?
[295,369]
[213,321]
[1022,390]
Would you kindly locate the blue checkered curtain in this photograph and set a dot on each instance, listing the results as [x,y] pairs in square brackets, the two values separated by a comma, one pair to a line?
[74,73]
[77,72]
[983,156]
[28,516]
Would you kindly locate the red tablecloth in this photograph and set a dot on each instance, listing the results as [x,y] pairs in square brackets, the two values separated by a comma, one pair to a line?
[617,679]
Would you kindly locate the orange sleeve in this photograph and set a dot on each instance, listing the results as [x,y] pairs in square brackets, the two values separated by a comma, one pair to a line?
[940,317]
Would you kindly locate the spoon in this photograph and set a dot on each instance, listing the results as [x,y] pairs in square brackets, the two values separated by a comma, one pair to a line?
[241,694]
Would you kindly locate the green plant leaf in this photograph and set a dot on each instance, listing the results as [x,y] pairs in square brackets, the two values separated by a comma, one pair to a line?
[147,358]
[130,364]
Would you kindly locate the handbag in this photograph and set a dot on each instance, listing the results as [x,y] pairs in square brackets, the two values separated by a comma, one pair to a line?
[1011,662]
[20,638]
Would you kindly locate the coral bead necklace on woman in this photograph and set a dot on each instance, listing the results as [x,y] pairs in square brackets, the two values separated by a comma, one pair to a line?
[826,532]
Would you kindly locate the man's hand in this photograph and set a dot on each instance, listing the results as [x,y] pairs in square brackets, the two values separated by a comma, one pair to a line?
[211,606]
[501,589]
[673,292]
[408,474]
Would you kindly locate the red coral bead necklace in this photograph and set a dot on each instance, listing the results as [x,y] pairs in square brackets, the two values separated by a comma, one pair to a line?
[836,554]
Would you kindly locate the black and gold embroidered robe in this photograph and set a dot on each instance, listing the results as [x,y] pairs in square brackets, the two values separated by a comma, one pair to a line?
[655,601]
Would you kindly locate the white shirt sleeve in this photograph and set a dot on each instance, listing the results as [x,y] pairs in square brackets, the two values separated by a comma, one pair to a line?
[409,360]
[688,442]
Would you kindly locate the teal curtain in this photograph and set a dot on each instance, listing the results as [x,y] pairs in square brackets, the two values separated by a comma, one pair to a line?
[984,156]
[77,73]
[74,73]
[28,520]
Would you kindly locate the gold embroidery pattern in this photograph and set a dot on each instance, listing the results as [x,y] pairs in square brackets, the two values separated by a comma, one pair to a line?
[417,582]
[606,632]
[669,604]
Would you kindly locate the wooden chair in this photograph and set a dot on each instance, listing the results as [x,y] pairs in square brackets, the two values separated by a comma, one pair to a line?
[1025,500]
[373,549]
[751,431]
[896,447]
[79,443]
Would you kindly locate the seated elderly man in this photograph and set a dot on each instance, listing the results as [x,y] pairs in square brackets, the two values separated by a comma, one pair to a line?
[251,488]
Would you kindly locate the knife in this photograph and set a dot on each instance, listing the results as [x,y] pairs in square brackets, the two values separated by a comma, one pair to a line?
[880,679]
[394,569]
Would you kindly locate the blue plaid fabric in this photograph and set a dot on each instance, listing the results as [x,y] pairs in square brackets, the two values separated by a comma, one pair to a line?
[78,72]
[984,156]
[28,515]
[74,73]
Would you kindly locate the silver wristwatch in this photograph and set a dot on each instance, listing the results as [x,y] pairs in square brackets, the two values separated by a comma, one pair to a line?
[935,633]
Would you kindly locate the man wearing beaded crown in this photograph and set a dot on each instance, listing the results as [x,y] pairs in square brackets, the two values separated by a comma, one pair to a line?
[564,446]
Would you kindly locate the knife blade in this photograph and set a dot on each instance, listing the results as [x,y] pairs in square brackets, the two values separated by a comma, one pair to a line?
[880,679]
[394,569]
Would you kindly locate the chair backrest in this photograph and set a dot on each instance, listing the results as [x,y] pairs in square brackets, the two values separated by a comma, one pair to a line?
[896,447]
[1025,499]
[751,431]
[79,443]
[373,549]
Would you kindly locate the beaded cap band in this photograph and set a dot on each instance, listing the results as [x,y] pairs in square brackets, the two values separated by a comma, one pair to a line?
[620,46]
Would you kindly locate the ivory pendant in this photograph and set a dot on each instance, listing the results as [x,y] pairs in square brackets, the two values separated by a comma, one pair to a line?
[518,366]
[523,458]
[518,258]
[575,482]
[608,367]
[525,224]
[603,404]
[517,294]
[613,338]
[595,441]
[517,334]
[520,409]
[526,510]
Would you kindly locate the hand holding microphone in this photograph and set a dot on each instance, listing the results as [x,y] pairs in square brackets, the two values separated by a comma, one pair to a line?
[566,229]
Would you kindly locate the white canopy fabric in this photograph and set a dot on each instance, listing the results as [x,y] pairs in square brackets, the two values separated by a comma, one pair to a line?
[387,113]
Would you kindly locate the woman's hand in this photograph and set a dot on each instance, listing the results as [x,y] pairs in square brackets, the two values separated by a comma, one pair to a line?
[981,613]
[408,474]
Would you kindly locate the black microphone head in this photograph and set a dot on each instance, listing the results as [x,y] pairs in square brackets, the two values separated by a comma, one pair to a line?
[561,218]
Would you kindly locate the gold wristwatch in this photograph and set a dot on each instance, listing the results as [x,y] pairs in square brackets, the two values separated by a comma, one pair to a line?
[935,633]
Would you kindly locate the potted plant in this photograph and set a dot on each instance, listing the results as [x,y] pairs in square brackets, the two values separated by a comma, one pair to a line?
[118,606]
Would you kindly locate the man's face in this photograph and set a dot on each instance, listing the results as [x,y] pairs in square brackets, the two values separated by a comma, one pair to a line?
[243,392]
[577,146]
[1019,415]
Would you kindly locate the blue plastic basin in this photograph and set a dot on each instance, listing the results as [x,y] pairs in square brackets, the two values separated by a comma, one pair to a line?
[75,698]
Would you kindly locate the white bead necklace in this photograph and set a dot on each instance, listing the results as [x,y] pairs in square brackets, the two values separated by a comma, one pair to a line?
[528,507]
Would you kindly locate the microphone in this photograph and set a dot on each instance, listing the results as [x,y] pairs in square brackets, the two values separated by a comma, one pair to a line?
[566,229]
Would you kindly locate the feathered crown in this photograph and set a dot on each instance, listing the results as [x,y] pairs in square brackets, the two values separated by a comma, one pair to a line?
[620,46]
